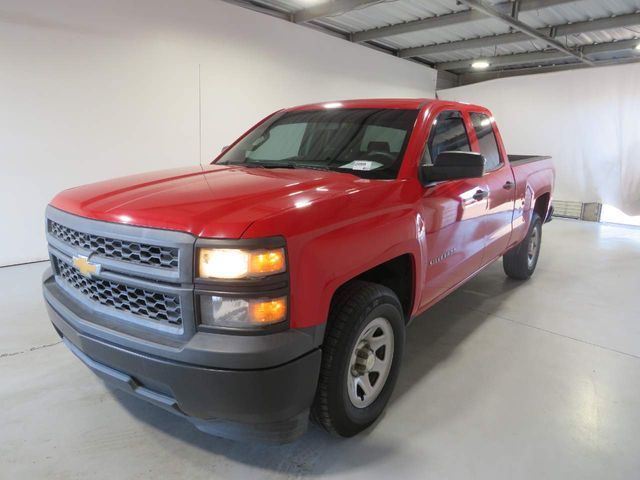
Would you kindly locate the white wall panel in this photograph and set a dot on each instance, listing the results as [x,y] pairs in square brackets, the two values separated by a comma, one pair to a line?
[586,119]
[96,89]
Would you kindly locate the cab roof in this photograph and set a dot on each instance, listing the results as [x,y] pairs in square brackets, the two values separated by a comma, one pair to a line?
[397,103]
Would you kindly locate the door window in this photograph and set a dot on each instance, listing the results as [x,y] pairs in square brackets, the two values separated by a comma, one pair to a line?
[486,140]
[448,133]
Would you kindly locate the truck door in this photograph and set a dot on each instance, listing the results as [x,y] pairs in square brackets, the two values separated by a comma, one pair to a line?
[499,179]
[452,212]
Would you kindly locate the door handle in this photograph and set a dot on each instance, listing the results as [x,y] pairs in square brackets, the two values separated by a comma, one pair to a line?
[508,185]
[480,194]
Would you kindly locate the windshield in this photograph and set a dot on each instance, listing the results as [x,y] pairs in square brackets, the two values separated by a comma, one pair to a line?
[365,142]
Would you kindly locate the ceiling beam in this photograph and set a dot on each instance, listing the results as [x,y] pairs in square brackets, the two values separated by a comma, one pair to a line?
[450,19]
[481,42]
[475,77]
[260,9]
[488,9]
[507,60]
[515,8]
[610,47]
[328,9]
[333,31]
[507,38]
[619,21]
[417,25]
[542,56]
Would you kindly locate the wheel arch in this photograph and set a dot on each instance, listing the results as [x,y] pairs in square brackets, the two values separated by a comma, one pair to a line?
[541,205]
[398,274]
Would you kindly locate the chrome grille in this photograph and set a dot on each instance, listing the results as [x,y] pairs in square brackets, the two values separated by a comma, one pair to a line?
[154,306]
[134,252]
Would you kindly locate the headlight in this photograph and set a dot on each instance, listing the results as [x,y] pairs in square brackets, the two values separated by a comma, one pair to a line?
[232,312]
[228,263]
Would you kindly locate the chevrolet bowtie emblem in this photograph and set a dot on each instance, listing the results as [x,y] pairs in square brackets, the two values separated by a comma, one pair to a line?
[84,266]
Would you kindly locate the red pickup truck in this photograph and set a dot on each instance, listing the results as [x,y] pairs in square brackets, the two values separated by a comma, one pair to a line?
[276,284]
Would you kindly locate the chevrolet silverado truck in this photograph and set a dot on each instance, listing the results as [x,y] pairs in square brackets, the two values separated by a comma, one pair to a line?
[275,284]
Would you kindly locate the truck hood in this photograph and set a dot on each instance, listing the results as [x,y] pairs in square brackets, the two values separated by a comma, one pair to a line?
[213,201]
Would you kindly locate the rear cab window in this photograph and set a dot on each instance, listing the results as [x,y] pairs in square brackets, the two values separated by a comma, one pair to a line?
[483,126]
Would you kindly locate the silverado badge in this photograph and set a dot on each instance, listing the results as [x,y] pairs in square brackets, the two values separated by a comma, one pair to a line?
[84,266]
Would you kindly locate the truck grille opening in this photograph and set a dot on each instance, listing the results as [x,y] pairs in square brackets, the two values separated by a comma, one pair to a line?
[134,252]
[154,306]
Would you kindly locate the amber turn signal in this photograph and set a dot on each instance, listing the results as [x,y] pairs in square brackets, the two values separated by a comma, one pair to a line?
[270,311]
[234,312]
[267,261]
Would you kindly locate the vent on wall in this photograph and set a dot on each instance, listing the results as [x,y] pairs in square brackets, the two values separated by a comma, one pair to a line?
[567,209]
[577,210]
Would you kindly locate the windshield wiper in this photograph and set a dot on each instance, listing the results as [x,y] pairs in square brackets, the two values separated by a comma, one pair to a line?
[291,165]
[314,167]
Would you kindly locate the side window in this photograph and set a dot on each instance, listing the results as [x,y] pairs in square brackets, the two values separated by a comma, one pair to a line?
[486,140]
[448,133]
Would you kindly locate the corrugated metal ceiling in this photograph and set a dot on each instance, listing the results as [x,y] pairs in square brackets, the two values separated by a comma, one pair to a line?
[393,12]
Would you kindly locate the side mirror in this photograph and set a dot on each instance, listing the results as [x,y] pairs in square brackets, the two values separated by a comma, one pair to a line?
[453,166]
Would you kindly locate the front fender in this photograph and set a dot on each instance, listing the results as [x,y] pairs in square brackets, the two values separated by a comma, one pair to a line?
[335,239]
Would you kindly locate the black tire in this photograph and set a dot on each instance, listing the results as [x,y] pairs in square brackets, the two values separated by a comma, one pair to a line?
[354,311]
[518,262]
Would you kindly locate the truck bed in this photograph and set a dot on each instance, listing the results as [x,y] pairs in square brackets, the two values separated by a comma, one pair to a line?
[522,159]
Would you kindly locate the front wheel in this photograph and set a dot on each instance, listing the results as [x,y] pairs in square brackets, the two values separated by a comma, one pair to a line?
[520,262]
[360,359]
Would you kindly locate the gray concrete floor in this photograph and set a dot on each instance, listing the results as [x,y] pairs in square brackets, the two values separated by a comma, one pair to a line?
[500,380]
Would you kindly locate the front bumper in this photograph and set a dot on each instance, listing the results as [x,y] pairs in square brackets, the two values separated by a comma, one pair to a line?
[268,404]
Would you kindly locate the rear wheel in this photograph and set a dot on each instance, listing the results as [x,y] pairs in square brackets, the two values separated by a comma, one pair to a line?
[361,358]
[520,262]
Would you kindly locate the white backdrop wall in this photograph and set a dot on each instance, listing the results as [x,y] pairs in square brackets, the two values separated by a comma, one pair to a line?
[588,120]
[96,89]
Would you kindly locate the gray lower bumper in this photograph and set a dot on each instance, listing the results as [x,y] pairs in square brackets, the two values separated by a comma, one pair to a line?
[269,404]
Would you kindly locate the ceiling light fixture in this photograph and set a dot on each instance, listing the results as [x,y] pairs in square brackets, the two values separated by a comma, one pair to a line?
[638,46]
[480,64]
